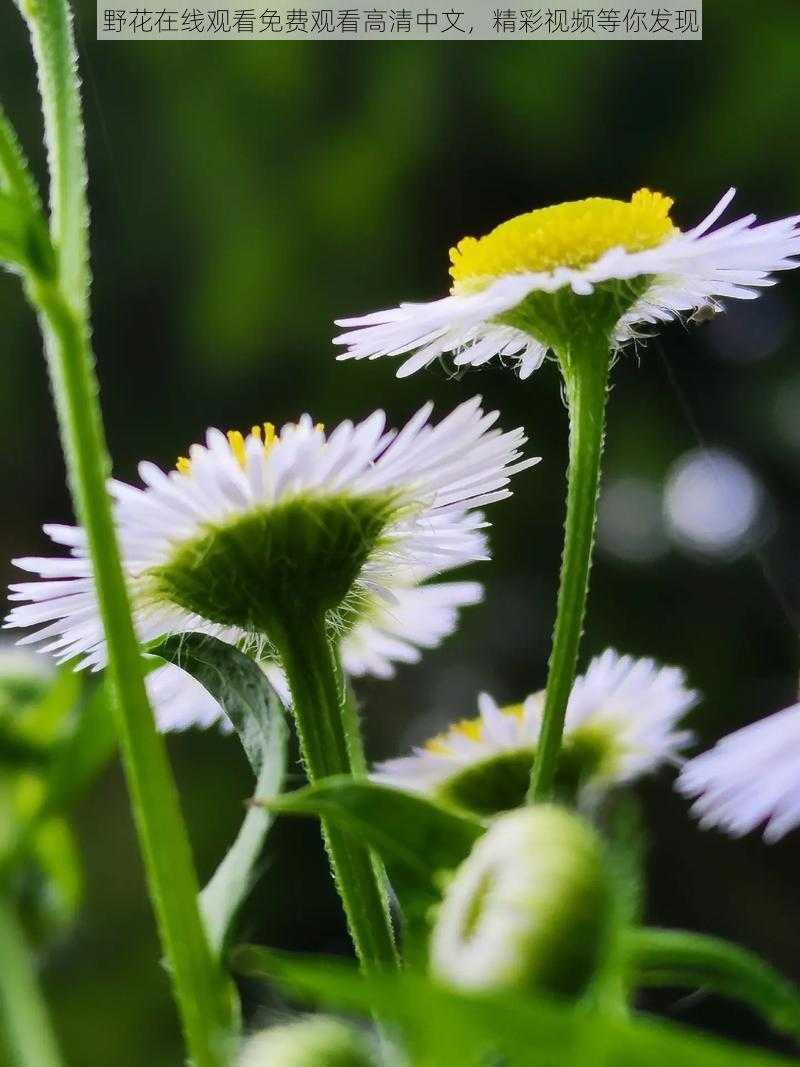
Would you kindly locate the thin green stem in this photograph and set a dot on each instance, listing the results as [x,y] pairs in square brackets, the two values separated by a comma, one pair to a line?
[197,980]
[352,727]
[26,1021]
[679,958]
[585,368]
[50,26]
[318,704]
[62,306]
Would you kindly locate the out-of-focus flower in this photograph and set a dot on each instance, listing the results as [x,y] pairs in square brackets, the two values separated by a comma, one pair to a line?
[529,909]
[24,678]
[318,1041]
[622,722]
[714,505]
[251,531]
[628,253]
[750,778]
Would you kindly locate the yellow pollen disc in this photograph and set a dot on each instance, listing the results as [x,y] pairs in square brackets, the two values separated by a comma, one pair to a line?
[266,434]
[574,235]
[471,729]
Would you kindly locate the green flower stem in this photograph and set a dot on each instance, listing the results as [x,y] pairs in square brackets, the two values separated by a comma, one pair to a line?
[50,27]
[61,302]
[585,369]
[197,979]
[679,958]
[318,699]
[27,1032]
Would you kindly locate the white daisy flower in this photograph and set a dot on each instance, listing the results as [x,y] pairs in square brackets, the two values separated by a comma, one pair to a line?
[750,778]
[622,722]
[251,528]
[629,250]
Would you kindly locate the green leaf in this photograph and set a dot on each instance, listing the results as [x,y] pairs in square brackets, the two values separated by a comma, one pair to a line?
[238,683]
[441,1026]
[255,711]
[15,171]
[682,959]
[24,241]
[418,840]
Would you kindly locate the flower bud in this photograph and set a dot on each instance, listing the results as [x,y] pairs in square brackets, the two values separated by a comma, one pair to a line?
[530,908]
[317,1041]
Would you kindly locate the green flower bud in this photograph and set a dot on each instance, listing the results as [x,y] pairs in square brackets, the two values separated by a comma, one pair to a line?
[313,1042]
[530,908]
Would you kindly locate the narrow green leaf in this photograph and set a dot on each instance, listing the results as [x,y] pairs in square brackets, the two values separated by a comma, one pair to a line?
[238,683]
[419,841]
[441,1026]
[414,836]
[24,242]
[682,959]
[12,229]
[255,711]
[15,171]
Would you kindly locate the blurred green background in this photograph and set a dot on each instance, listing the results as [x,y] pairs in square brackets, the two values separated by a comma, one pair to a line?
[243,197]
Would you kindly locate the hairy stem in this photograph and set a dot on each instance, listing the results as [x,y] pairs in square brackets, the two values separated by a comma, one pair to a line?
[585,368]
[318,703]
[26,1023]
[682,959]
[62,304]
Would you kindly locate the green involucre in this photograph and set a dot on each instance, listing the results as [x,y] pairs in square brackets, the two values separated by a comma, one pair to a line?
[292,560]
[562,318]
[501,782]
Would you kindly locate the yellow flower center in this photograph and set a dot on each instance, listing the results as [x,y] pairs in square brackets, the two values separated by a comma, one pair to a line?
[574,235]
[266,434]
[471,729]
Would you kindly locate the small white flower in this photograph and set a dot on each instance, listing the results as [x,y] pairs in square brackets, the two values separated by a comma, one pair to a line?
[623,711]
[579,247]
[364,515]
[750,778]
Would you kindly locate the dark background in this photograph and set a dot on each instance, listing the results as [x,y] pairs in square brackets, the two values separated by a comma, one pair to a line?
[243,196]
